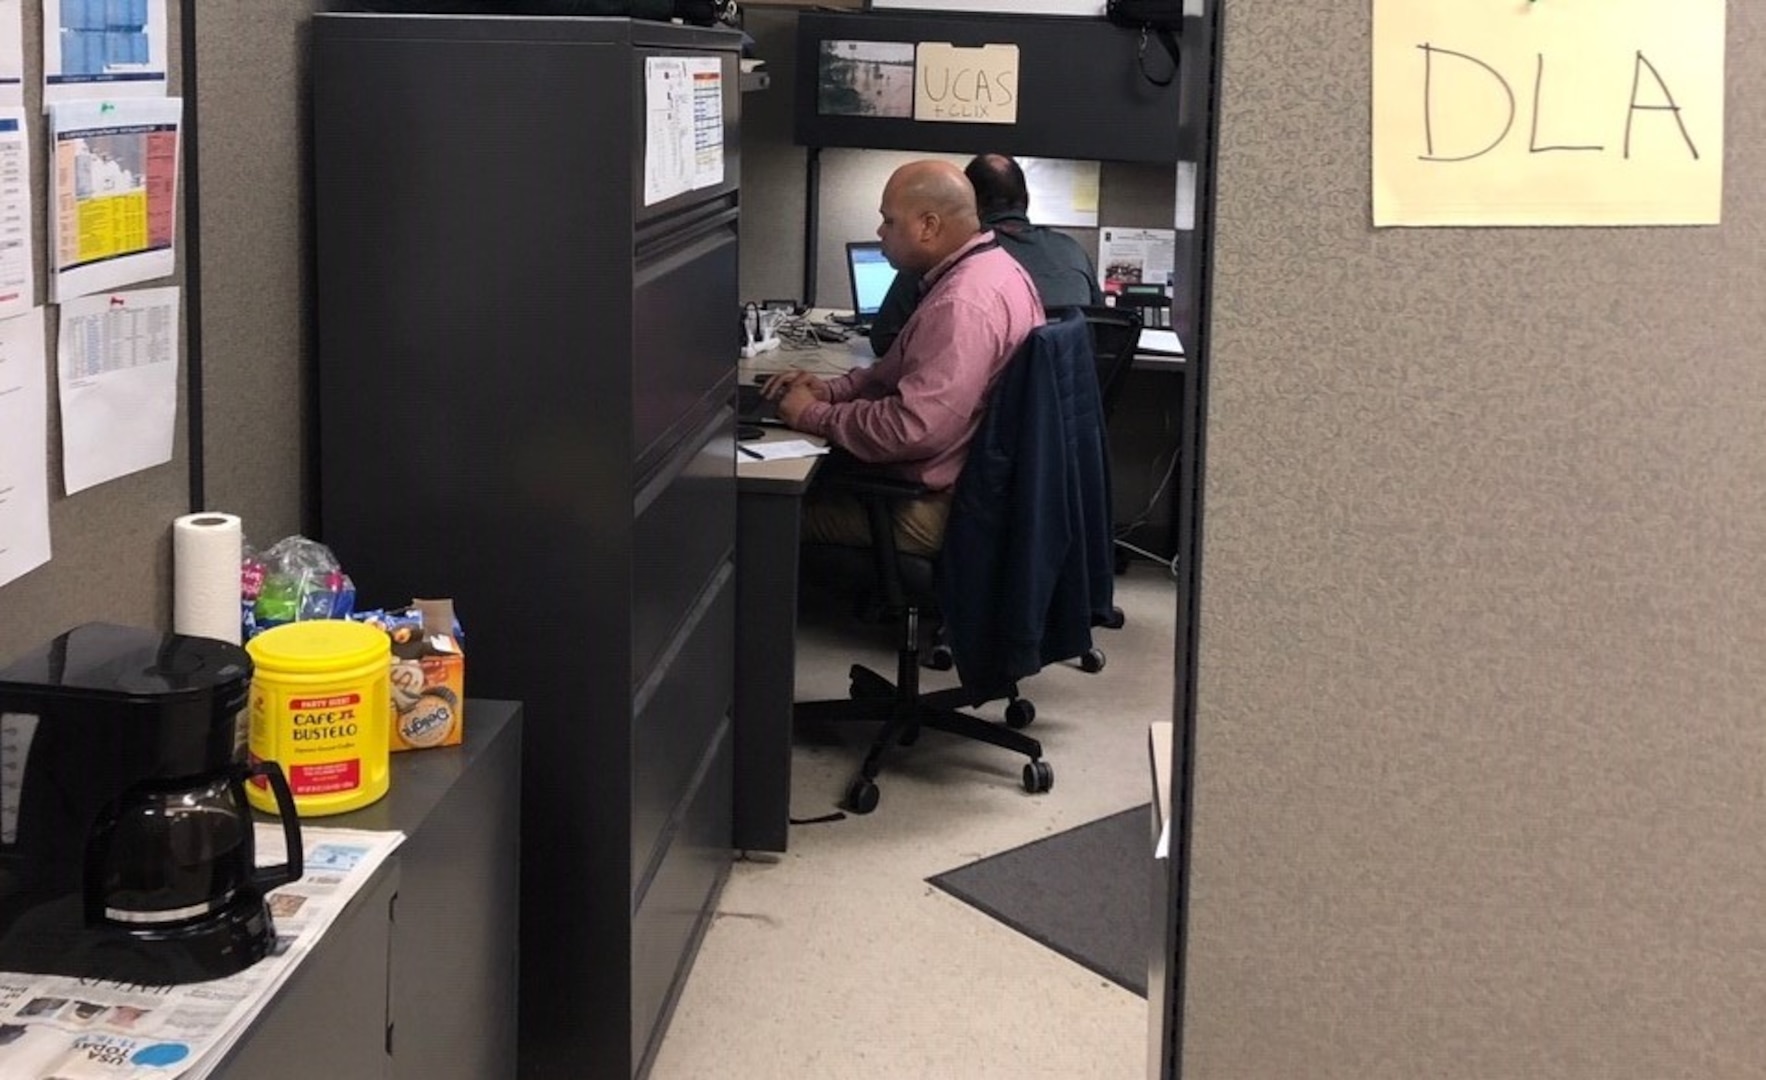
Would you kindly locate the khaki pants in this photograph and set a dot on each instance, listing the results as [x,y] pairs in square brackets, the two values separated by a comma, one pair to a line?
[841,519]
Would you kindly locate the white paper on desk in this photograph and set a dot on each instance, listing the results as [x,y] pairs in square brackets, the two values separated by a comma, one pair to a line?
[1163,342]
[118,362]
[24,446]
[784,449]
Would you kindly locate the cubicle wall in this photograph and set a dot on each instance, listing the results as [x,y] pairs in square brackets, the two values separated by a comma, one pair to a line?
[251,60]
[1479,747]
[110,544]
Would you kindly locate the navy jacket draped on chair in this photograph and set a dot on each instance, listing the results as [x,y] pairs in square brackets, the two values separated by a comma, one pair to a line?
[1026,569]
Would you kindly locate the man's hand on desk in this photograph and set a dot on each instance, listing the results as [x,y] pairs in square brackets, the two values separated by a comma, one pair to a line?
[794,391]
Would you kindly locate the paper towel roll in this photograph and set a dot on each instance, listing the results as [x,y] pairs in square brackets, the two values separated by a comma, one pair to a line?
[206,551]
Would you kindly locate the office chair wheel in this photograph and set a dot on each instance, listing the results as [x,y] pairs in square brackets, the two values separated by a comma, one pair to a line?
[862,796]
[1116,620]
[1039,776]
[939,658]
[1020,713]
[1092,661]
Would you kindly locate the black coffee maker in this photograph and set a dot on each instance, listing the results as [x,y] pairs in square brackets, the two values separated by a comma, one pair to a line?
[126,848]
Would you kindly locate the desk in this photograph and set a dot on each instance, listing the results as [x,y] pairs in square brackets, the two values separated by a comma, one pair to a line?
[1159,362]
[769,500]
[769,504]
[431,994]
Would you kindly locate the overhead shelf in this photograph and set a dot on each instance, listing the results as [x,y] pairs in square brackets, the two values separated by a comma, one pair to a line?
[1079,91]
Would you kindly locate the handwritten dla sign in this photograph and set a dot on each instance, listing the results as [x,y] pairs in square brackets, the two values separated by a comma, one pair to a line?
[966,85]
[1547,112]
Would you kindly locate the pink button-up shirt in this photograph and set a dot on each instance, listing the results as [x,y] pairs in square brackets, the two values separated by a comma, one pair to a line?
[918,406]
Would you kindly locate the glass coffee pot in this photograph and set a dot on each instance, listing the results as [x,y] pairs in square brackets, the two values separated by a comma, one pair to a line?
[171,853]
[126,843]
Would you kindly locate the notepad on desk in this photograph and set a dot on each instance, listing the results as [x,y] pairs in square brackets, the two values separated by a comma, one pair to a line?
[779,449]
[1161,342]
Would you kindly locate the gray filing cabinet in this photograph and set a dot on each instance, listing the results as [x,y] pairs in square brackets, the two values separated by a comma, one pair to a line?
[416,980]
[524,376]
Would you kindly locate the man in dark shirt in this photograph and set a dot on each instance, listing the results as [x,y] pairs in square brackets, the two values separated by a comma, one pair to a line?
[1062,271]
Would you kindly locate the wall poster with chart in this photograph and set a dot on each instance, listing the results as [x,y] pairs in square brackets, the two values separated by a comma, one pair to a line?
[113,171]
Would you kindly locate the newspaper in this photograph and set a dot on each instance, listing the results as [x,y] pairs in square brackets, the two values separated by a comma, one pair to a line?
[57,1028]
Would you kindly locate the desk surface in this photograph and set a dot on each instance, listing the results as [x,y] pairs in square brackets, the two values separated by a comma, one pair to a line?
[787,477]
[791,477]
[836,358]
[825,359]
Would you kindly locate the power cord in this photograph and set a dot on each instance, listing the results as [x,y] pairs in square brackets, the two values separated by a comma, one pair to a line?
[799,333]
[1127,530]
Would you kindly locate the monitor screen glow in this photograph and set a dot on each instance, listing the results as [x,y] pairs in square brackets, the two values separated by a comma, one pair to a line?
[871,277]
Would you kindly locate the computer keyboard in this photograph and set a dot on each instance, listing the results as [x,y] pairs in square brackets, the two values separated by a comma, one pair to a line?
[752,407]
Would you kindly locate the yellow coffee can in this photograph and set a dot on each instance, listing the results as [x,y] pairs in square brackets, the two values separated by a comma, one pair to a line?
[321,708]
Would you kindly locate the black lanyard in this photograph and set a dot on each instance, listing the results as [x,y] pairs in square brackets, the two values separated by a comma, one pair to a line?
[990,245]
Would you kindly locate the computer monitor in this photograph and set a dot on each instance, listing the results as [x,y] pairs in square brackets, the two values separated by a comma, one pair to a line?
[871,277]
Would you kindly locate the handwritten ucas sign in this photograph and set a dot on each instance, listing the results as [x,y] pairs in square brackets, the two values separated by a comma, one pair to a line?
[1548,112]
[960,85]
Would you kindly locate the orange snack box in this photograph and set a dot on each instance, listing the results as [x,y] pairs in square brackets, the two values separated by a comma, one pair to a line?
[428,679]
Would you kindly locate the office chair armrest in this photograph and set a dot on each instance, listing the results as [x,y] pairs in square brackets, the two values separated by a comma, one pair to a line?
[879,486]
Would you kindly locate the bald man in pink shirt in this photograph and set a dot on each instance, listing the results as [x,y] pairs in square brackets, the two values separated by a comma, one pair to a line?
[916,409]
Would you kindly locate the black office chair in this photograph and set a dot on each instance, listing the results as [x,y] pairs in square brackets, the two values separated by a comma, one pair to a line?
[981,557]
[1116,334]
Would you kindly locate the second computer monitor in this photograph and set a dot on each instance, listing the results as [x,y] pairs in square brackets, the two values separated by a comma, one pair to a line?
[871,277]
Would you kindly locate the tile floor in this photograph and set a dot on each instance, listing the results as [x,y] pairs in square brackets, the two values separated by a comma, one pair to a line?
[838,960]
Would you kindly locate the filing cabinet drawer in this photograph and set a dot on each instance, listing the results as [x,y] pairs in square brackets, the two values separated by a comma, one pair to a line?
[678,710]
[684,529]
[679,355]
[669,921]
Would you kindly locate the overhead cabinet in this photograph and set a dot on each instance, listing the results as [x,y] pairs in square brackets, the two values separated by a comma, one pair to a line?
[1037,87]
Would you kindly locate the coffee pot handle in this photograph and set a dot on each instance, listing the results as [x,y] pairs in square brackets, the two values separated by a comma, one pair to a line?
[268,877]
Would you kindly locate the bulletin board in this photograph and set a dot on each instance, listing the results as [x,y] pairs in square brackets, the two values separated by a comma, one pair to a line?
[110,545]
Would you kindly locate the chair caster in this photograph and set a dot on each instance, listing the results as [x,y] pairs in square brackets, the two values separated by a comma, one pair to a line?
[1093,661]
[1116,620]
[1039,777]
[939,658]
[1019,714]
[862,796]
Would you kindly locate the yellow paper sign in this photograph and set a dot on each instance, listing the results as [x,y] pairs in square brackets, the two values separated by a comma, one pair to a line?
[966,86]
[1547,112]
